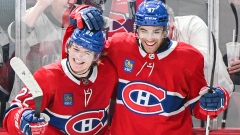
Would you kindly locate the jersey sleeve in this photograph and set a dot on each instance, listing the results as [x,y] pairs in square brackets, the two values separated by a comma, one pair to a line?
[199,38]
[24,100]
[195,83]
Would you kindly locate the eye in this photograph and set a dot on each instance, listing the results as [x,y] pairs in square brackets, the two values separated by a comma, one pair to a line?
[88,53]
[157,31]
[76,48]
[143,31]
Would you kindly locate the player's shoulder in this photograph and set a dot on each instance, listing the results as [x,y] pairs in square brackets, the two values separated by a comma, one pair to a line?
[49,69]
[56,65]
[188,49]
[106,67]
[121,41]
[106,63]
[123,36]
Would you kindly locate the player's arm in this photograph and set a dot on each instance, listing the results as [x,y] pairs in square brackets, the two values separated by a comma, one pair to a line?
[195,83]
[90,16]
[20,115]
[87,15]
[210,103]
[199,38]
[80,16]
[17,117]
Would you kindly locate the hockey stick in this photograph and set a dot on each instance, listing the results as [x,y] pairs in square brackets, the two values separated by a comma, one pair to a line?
[27,78]
[236,38]
[212,78]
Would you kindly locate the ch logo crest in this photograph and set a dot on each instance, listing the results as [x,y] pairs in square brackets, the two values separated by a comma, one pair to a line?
[88,123]
[143,98]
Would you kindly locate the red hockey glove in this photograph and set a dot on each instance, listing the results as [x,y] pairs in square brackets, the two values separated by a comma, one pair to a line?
[213,103]
[91,16]
[28,124]
[75,17]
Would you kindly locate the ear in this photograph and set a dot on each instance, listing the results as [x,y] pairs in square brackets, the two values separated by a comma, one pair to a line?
[165,34]
[67,49]
[171,22]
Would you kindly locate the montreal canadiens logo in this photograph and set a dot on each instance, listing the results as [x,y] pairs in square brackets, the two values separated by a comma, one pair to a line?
[143,98]
[88,123]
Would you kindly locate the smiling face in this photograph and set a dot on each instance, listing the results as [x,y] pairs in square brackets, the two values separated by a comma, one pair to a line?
[80,59]
[151,37]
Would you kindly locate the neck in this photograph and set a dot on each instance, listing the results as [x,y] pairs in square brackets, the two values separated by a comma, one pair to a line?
[79,75]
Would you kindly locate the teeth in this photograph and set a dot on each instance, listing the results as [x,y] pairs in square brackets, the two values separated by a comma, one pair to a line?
[78,62]
[150,43]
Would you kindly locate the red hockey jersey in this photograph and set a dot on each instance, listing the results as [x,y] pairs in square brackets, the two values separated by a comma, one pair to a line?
[155,91]
[74,106]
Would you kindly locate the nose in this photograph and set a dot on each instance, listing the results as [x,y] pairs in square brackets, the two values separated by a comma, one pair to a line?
[149,37]
[80,55]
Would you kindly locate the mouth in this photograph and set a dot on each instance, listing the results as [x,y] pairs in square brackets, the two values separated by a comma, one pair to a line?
[150,44]
[78,61]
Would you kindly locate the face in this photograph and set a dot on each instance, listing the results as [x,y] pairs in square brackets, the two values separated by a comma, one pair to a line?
[151,37]
[80,59]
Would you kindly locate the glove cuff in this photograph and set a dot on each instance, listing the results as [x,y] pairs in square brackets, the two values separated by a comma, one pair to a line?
[17,118]
[76,18]
[226,102]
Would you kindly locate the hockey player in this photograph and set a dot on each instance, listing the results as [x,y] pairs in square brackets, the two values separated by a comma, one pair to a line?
[160,80]
[76,91]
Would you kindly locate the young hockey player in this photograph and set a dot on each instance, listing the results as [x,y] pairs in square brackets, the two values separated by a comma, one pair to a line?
[160,81]
[76,91]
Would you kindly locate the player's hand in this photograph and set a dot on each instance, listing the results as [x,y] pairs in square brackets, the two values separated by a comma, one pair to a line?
[31,125]
[91,16]
[213,103]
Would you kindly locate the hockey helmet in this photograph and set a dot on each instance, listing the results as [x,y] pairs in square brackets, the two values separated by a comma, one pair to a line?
[92,40]
[151,13]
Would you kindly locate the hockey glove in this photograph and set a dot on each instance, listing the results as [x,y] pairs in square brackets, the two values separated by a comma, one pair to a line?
[213,103]
[91,16]
[31,125]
